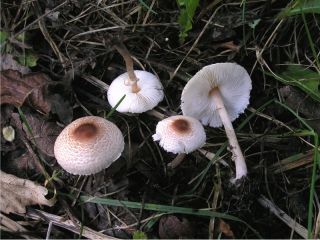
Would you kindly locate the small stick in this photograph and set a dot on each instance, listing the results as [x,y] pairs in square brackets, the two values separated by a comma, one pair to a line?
[49,230]
[66,224]
[237,156]
[299,229]
[177,160]
[132,81]
[14,227]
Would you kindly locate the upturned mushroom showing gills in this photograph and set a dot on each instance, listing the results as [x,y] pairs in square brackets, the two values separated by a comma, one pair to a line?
[216,95]
[143,90]
[180,134]
[148,94]
[88,145]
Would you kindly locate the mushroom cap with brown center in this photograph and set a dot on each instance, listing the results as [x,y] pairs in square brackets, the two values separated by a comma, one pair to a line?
[180,134]
[149,95]
[233,83]
[88,145]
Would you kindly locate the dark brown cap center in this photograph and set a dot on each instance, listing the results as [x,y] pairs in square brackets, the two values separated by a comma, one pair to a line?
[85,131]
[181,126]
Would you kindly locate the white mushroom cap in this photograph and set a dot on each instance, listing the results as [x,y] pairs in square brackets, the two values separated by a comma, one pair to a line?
[88,145]
[234,84]
[180,134]
[150,94]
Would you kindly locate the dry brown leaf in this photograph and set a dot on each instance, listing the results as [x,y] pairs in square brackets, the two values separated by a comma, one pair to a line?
[44,132]
[172,227]
[17,193]
[17,88]
[225,229]
[230,45]
[300,102]
[8,62]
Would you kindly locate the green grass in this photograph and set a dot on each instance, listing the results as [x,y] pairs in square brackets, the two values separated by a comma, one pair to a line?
[302,77]
[187,11]
[316,163]
[165,209]
[115,107]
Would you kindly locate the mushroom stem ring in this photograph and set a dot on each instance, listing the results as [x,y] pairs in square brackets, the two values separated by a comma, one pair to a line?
[132,81]
[237,156]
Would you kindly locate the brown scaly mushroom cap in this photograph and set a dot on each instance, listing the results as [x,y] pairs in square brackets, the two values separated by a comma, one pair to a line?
[180,134]
[88,145]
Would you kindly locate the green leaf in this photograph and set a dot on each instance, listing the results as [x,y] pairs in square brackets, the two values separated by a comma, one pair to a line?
[115,107]
[164,208]
[139,235]
[187,10]
[254,23]
[29,59]
[22,37]
[305,79]
[302,6]
[3,37]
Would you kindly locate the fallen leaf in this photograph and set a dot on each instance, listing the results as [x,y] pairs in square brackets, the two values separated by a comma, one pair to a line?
[29,59]
[225,229]
[44,133]
[16,88]
[172,227]
[302,103]
[8,133]
[8,62]
[139,235]
[304,78]
[17,193]
[37,91]
[230,45]
[61,107]
[20,165]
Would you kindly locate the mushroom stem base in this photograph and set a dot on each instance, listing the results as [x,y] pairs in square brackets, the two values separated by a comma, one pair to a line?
[135,88]
[178,159]
[237,156]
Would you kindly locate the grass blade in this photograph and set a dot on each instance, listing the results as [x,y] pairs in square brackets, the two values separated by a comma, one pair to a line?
[165,208]
[301,7]
[115,107]
[316,162]
[297,75]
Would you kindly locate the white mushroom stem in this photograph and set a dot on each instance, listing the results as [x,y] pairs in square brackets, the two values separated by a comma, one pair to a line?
[237,156]
[177,160]
[132,81]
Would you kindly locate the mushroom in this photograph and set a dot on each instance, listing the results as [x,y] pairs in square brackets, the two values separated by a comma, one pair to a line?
[148,96]
[143,89]
[180,134]
[216,95]
[88,145]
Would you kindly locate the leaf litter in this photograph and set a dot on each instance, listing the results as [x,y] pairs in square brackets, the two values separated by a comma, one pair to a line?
[17,193]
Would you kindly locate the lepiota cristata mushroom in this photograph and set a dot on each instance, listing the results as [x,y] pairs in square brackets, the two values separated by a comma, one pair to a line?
[143,89]
[88,145]
[180,134]
[216,95]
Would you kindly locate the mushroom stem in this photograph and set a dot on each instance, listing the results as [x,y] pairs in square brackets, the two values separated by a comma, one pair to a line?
[237,156]
[132,81]
[177,160]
